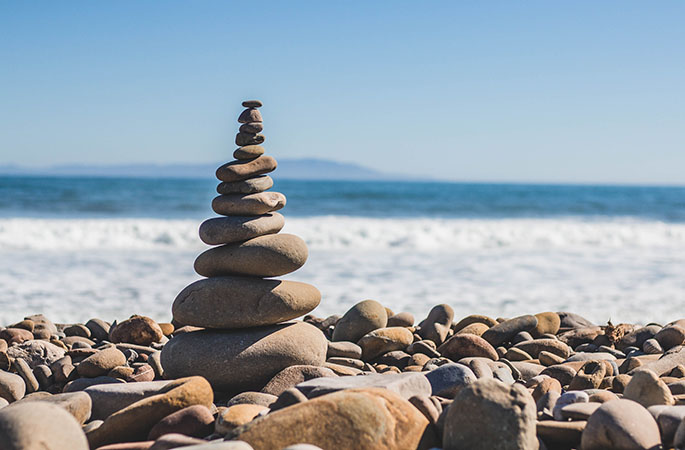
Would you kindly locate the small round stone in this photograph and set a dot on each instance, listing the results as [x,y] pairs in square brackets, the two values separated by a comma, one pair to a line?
[250,186]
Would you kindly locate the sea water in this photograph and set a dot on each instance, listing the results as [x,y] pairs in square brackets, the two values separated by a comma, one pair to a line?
[76,248]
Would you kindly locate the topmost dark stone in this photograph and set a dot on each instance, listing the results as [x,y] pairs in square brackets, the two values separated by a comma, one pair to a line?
[252,104]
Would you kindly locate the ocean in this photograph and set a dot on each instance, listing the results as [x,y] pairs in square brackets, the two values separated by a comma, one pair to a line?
[78,247]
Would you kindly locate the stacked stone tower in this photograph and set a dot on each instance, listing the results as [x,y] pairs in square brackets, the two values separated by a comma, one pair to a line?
[241,308]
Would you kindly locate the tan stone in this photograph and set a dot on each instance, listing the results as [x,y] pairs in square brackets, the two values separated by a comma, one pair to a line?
[226,230]
[249,204]
[39,426]
[272,255]
[244,169]
[101,362]
[255,354]
[466,345]
[548,323]
[241,302]
[477,328]
[371,419]
[474,318]
[250,186]
[620,424]
[647,389]
[383,340]
[237,415]
[135,421]
[365,316]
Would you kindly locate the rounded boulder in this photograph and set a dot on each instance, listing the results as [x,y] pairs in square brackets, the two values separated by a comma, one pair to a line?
[241,302]
[243,360]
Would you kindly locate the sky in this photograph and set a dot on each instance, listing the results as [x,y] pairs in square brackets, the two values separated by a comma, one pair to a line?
[534,91]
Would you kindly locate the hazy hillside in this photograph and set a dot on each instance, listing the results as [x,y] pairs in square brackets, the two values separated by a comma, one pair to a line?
[301,169]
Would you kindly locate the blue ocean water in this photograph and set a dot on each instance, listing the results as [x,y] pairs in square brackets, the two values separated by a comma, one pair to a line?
[190,198]
[79,247]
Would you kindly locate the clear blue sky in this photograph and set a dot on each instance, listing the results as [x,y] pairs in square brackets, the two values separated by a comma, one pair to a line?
[580,91]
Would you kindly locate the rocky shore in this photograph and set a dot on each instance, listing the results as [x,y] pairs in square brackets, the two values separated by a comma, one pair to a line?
[239,367]
[551,380]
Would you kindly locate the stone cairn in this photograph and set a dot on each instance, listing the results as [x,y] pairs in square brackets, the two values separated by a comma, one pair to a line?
[246,337]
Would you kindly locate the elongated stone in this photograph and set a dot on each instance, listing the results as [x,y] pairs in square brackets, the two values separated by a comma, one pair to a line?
[252,104]
[243,360]
[252,127]
[225,230]
[241,302]
[248,205]
[244,169]
[250,186]
[248,151]
[272,255]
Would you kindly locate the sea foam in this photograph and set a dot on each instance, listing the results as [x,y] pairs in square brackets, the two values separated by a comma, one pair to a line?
[74,269]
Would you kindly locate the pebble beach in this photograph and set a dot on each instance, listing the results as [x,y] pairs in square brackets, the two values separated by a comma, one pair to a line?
[248,362]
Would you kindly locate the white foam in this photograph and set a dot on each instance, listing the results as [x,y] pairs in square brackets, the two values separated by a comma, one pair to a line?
[335,233]
[74,269]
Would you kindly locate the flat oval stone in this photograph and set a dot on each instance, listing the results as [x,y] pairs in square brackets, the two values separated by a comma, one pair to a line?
[252,104]
[466,345]
[384,340]
[250,186]
[243,360]
[535,346]
[226,230]
[242,139]
[248,205]
[272,255]
[241,302]
[244,169]
[248,151]
[250,115]
[252,127]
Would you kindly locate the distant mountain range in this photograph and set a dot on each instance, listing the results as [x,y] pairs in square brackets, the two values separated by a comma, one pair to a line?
[301,169]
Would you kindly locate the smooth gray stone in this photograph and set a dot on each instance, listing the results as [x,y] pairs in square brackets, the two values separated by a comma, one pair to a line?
[40,425]
[567,399]
[668,418]
[227,230]
[582,356]
[665,364]
[110,398]
[243,360]
[406,384]
[250,186]
[84,383]
[448,379]
[78,404]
